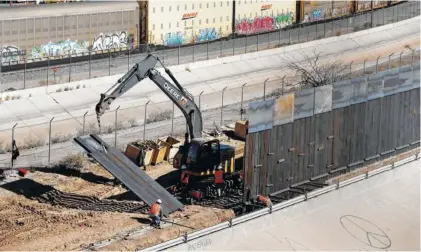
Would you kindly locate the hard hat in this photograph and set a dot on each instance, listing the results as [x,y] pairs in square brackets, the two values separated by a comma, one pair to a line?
[159,201]
[220,167]
[183,167]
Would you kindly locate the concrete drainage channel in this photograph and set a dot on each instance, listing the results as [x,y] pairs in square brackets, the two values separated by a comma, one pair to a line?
[302,198]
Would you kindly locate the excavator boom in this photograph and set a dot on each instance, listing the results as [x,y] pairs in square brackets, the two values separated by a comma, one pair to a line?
[175,92]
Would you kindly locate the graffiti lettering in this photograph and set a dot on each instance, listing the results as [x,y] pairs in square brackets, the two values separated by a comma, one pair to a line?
[207,34]
[59,48]
[317,14]
[110,41]
[173,39]
[11,54]
[190,15]
[262,24]
[200,245]
[266,7]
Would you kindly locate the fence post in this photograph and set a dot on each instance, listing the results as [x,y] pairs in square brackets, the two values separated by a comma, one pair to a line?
[324,29]
[200,100]
[24,74]
[116,127]
[242,99]
[144,122]
[245,48]
[364,67]
[377,62]
[13,139]
[84,120]
[350,69]
[222,104]
[283,84]
[299,28]
[233,44]
[90,59]
[194,45]
[264,89]
[49,141]
[128,58]
[412,58]
[280,29]
[70,65]
[389,60]
[109,62]
[172,119]
[178,55]
[48,68]
[289,35]
[400,61]
[220,47]
[207,49]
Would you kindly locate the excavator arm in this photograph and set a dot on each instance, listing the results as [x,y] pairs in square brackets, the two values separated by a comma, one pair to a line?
[175,92]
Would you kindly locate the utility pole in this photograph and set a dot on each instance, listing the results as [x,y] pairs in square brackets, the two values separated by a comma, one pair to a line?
[372,5]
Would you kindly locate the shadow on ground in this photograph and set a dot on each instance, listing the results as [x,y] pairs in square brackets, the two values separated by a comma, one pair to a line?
[48,194]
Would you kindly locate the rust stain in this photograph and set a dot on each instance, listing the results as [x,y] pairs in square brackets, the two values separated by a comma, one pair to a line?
[284,107]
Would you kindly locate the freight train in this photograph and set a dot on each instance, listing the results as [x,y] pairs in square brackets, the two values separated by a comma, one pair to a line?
[54,31]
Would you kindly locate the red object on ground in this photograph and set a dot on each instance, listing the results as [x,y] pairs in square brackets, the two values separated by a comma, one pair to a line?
[196,195]
[22,172]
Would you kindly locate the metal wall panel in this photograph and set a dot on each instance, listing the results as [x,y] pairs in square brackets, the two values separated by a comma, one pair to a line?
[284,109]
[357,134]
[406,78]
[341,94]
[323,99]
[340,134]
[303,103]
[375,86]
[323,143]
[391,82]
[260,115]
[416,75]
[302,136]
[358,90]
[372,128]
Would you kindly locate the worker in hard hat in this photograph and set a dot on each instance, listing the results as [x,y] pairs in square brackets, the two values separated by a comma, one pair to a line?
[219,180]
[262,200]
[184,181]
[155,213]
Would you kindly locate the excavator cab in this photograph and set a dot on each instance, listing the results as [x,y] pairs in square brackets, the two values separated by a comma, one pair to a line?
[203,155]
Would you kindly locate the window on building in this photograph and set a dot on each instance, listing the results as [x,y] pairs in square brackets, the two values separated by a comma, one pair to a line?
[178,24]
[245,15]
[228,3]
[153,10]
[162,9]
[256,14]
[239,2]
[207,5]
[200,21]
[227,27]
[207,21]
[200,5]
[192,6]
[220,19]
[213,20]
[192,22]
[239,16]
[169,25]
[178,7]
[170,8]
[251,14]
[153,27]
[162,26]
[228,18]
[162,36]
[185,23]
[221,3]
[185,7]
[214,4]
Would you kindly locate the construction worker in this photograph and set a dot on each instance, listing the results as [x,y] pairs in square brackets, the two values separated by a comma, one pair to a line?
[262,200]
[219,179]
[155,213]
[184,181]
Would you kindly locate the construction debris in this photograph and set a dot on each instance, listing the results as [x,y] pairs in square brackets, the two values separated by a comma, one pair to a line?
[146,145]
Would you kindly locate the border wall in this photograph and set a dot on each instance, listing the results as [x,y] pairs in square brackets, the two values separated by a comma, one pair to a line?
[318,133]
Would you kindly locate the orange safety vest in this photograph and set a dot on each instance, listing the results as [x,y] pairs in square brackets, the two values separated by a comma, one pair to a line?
[265,200]
[155,209]
[184,177]
[219,177]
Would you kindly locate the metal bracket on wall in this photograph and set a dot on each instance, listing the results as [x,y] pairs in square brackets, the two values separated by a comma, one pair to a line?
[270,154]
[310,144]
[330,137]
[291,149]
[301,155]
[387,152]
[321,147]
[310,166]
[371,158]
[280,161]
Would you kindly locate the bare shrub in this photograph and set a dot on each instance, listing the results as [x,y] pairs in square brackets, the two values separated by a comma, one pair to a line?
[33,142]
[314,73]
[72,162]
[61,138]
[159,116]
[132,123]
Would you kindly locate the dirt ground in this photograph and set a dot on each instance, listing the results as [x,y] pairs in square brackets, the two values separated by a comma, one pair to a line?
[37,213]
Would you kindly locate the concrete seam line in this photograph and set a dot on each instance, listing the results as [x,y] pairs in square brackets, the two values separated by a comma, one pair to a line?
[203,233]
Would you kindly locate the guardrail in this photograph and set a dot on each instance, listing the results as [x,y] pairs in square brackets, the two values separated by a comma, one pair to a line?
[302,198]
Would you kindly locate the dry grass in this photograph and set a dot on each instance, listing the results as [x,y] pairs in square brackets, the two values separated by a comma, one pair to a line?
[72,162]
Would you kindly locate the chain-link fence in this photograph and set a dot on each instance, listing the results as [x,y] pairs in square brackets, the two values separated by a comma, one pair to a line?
[48,71]
[49,142]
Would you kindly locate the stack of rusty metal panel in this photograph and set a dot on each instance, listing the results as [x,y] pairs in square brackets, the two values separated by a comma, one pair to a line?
[128,173]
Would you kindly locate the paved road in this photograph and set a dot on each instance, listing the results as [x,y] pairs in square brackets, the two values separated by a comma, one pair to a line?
[381,213]
[104,67]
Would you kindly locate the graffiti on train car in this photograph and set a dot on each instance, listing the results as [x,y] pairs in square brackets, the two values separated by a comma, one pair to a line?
[173,39]
[317,14]
[207,34]
[59,48]
[263,24]
[341,11]
[11,54]
[110,41]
